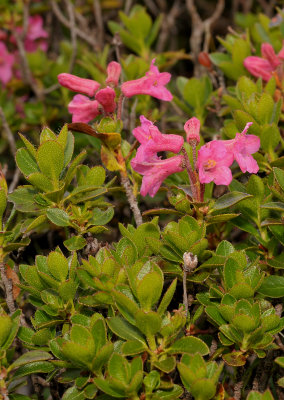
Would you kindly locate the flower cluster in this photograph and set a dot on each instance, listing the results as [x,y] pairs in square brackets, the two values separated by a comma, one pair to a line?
[84,109]
[215,158]
[35,38]
[148,163]
[266,66]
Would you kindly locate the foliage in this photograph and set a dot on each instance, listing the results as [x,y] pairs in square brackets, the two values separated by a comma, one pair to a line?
[106,293]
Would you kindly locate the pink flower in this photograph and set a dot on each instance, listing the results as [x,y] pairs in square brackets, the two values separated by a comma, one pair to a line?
[213,163]
[263,67]
[6,64]
[152,84]
[153,141]
[36,35]
[106,97]
[83,109]
[76,84]
[155,171]
[243,146]
[192,128]
[113,73]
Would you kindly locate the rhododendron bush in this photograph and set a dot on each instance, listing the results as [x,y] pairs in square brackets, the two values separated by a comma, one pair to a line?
[141,200]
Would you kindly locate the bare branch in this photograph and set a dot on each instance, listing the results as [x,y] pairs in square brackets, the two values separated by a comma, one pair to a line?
[199,28]
[79,32]
[8,288]
[99,22]
[131,199]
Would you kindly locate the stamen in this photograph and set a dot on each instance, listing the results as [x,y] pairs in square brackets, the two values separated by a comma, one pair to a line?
[209,165]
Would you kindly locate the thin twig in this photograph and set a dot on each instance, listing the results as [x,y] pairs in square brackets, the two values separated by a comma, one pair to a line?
[8,289]
[27,74]
[70,10]
[199,28]
[185,298]
[15,180]
[8,133]
[79,32]
[169,23]
[127,7]
[191,175]
[131,199]
[132,116]
[99,22]
[238,390]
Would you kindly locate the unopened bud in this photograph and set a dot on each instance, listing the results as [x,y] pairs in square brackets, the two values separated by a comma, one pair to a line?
[81,85]
[192,128]
[190,261]
[203,59]
[113,73]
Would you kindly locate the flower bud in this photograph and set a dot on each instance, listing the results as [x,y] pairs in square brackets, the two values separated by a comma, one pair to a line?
[113,73]
[106,97]
[76,84]
[192,128]
[203,59]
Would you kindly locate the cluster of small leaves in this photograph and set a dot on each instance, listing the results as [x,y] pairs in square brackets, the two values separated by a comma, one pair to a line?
[110,321]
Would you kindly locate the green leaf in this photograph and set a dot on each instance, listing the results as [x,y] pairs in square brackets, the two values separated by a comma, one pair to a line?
[5,327]
[272,286]
[58,217]
[166,365]
[235,359]
[30,357]
[37,367]
[73,394]
[75,243]
[148,322]
[149,289]
[58,265]
[117,368]
[190,345]
[50,158]
[167,298]
[228,200]
[124,330]
[25,162]
[126,306]
[279,176]
[133,347]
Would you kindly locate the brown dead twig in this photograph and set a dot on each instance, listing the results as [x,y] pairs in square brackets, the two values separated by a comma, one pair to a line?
[131,199]
[99,22]
[83,34]
[199,29]
[8,288]
[168,25]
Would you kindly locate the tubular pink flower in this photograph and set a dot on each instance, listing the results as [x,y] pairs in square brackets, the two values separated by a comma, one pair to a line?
[152,140]
[243,146]
[83,109]
[263,67]
[6,64]
[155,171]
[192,128]
[113,73]
[213,163]
[106,97]
[259,67]
[153,84]
[76,84]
